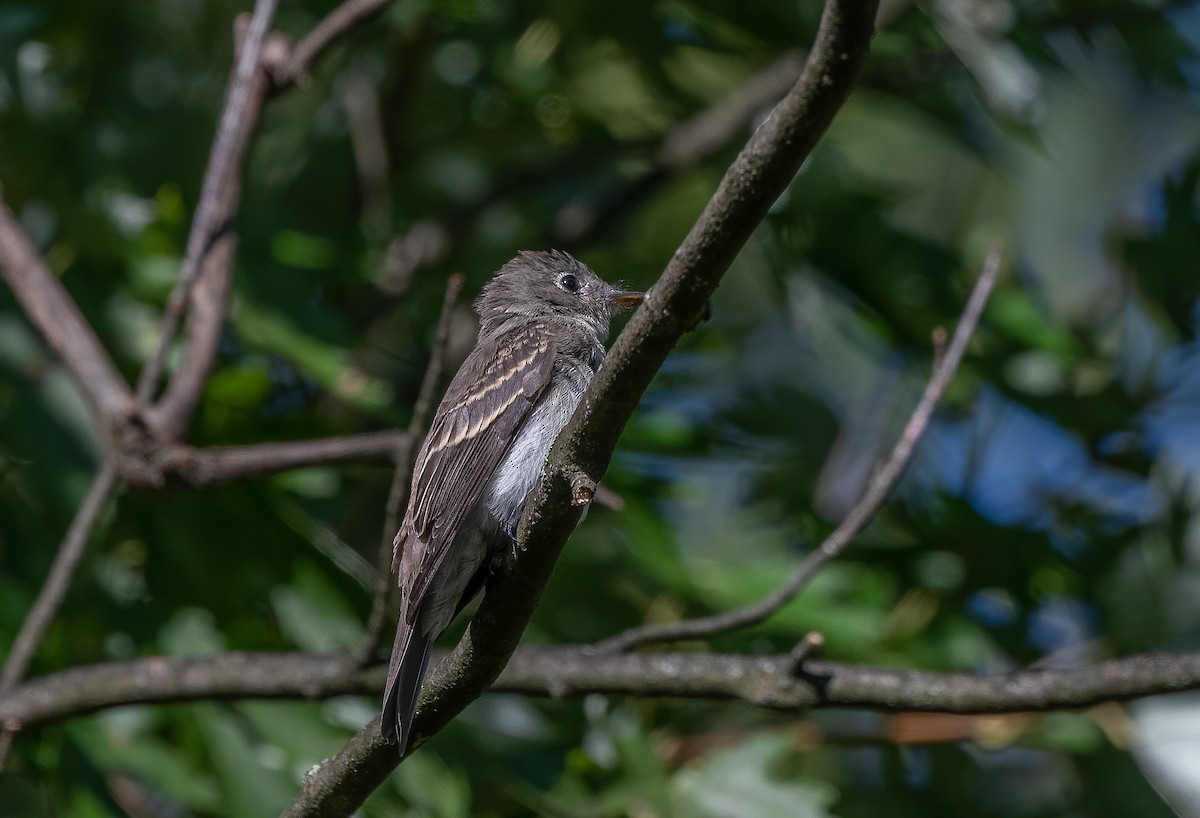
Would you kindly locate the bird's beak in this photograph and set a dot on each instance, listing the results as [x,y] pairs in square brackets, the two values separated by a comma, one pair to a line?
[626,299]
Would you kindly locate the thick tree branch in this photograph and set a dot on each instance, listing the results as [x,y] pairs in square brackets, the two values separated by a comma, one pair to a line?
[879,487]
[573,671]
[50,308]
[758,176]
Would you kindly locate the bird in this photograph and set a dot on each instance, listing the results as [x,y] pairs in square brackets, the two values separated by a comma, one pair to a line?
[543,320]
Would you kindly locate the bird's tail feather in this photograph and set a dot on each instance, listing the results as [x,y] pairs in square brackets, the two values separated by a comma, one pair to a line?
[410,655]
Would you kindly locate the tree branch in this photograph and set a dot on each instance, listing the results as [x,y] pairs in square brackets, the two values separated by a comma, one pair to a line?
[207,269]
[50,308]
[50,598]
[880,486]
[758,176]
[573,671]
[214,465]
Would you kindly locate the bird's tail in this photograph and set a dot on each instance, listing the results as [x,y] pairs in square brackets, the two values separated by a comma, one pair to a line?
[410,655]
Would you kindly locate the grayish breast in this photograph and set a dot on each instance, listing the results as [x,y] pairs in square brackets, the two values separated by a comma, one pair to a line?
[506,493]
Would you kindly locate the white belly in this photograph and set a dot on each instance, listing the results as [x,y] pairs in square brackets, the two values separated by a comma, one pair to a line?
[506,493]
[492,524]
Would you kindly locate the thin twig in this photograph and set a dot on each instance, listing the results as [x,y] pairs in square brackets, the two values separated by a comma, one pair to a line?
[54,589]
[222,464]
[877,491]
[427,394]
[223,161]
[402,476]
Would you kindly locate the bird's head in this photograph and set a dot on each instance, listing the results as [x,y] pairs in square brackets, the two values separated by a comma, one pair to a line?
[553,286]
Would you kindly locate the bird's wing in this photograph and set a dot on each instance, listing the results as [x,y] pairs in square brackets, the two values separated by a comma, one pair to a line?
[492,394]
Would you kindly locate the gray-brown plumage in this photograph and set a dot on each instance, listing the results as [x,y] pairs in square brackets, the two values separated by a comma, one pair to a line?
[543,319]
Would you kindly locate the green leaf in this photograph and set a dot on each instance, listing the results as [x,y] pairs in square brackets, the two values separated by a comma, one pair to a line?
[314,614]
[740,782]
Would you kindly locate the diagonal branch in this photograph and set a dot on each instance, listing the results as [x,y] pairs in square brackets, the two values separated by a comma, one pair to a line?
[54,590]
[50,598]
[208,259]
[878,488]
[50,308]
[761,172]
[570,671]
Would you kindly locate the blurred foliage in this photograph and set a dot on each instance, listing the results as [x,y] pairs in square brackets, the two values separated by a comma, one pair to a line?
[1047,518]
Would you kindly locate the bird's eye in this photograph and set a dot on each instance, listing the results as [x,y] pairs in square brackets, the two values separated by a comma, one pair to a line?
[569,283]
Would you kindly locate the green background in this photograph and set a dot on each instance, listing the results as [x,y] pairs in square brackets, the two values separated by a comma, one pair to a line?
[1046,519]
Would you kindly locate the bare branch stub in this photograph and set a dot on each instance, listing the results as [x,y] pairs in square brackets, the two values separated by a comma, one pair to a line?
[583,489]
[810,645]
[878,488]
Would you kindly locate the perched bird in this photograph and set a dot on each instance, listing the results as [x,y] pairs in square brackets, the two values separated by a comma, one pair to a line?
[543,320]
